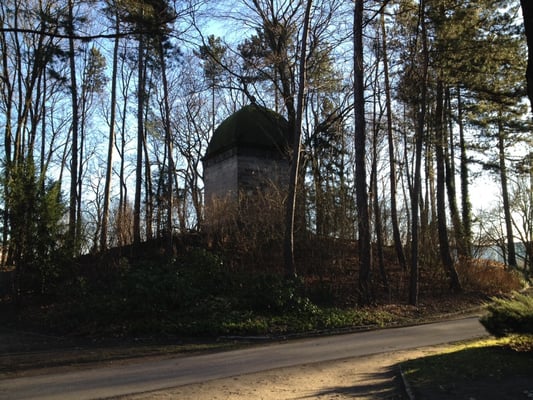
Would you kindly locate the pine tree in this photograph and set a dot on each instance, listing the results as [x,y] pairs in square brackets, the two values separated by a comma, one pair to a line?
[212,53]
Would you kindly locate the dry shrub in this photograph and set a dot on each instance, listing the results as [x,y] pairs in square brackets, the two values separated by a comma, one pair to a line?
[121,224]
[433,279]
[487,276]
[249,232]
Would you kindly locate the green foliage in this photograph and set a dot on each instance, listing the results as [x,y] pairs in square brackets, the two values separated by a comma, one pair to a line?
[192,295]
[36,229]
[271,293]
[94,78]
[510,315]
[212,53]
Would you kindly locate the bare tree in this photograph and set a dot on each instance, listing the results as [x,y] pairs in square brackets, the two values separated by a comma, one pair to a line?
[363,218]
[392,159]
[74,227]
[112,122]
[419,141]
[290,269]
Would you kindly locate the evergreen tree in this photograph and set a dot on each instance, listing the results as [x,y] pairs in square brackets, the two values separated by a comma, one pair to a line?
[212,53]
[37,234]
[495,108]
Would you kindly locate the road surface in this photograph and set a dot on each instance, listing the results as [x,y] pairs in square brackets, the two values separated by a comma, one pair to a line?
[143,376]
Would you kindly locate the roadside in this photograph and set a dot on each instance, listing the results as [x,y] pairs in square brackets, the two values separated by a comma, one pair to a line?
[379,376]
[338,364]
[24,353]
[28,353]
[369,377]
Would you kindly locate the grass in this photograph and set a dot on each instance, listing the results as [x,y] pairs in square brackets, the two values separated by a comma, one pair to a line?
[487,360]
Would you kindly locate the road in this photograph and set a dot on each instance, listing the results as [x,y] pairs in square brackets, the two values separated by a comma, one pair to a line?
[143,376]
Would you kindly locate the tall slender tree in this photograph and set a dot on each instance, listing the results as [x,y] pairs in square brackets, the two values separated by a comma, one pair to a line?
[112,9]
[416,192]
[391,147]
[290,212]
[363,218]
[74,163]
[440,143]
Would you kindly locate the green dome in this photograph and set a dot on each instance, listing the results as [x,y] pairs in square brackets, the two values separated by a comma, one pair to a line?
[252,127]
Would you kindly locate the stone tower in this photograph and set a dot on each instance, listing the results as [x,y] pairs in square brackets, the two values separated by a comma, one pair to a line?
[248,154]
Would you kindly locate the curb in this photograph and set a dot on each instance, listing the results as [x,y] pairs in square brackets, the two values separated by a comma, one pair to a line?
[406,385]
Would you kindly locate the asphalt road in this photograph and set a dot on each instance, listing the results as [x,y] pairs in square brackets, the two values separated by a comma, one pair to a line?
[143,376]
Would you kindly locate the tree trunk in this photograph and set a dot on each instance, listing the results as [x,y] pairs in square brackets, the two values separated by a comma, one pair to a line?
[365,251]
[75,122]
[169,150]
[7,93]
[449,162]
[148,193]
[377,209]
[140,140]
[392,161]
[125,228]
[444,244]
[417,182]
[466,206]
[111,141]
[290,212]
[511,252]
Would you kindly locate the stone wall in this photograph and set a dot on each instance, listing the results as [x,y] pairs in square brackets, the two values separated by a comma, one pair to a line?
[257,174]
[221,178]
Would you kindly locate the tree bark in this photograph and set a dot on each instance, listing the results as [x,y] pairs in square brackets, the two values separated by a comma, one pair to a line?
[72,224]
[377,209]
[465,195]
[511,252]
[417,181]
[111,141]
[169,150]
[444,243]
[140,144]
[449,162]
[363,223]
[392,159]
[290,212]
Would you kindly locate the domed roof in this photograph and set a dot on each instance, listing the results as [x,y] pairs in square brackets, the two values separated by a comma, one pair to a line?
[254,127]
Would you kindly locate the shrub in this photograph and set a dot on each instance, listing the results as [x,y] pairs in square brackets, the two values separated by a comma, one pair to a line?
[521,343]
[487,276]
[510,315]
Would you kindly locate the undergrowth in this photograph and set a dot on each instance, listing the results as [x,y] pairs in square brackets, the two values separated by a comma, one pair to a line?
[198,293]
[194,295]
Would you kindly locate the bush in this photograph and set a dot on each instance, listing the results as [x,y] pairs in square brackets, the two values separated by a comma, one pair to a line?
[270,293]
[510,315]
[487,276]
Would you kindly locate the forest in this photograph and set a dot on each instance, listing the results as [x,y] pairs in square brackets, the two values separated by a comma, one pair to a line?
[411,158]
